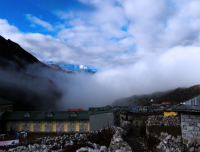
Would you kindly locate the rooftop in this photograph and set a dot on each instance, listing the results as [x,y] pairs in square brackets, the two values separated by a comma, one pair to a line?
[39,115]
[5,102]
[182,107]
[108,111]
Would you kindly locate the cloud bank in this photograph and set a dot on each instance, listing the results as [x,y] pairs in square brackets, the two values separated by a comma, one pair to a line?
[141,46]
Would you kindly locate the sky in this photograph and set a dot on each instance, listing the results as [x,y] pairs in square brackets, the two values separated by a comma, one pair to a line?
[140,46]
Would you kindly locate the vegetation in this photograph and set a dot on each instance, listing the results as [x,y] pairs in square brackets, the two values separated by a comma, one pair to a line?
[172,130]
[142,130]
[174,96]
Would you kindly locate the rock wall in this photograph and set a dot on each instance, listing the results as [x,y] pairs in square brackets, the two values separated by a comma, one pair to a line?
[190,125]
[170,143]
[117,142]
[160,120]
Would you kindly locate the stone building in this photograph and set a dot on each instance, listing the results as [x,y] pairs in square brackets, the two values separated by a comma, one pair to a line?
[190,117]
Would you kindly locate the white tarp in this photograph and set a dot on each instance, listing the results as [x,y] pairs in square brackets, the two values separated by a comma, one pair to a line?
[9,142]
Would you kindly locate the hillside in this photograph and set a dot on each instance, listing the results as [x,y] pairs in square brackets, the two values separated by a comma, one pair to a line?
[179,95]
[23,79]
[174,96]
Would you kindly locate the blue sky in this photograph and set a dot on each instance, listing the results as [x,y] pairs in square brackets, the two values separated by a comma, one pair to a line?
[150,40]
[53,17]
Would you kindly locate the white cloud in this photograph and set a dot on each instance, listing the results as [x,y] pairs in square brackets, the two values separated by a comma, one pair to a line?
[37,21]
[166,34]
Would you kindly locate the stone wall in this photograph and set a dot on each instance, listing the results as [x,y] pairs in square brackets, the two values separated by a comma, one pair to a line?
[190,125]
[169,143]
[161,120]
[47,143]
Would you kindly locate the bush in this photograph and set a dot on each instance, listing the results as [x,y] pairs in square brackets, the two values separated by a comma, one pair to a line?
[142,129]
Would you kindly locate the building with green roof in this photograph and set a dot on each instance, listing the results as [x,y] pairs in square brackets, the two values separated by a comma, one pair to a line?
[61,121]
[40,121]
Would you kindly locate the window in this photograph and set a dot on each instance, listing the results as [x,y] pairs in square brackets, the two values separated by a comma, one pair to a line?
[27,115]
[50,115]
[73,114]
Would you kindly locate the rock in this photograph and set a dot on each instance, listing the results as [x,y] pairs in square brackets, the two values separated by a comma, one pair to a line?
[158,147]
[118,140]
[82,149]
[191,149]
[168,137]
[103,149]
[191,143]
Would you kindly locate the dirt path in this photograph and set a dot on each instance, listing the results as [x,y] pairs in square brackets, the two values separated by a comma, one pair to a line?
[131,139]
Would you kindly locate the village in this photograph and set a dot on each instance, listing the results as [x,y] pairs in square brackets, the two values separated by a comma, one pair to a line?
[22,130]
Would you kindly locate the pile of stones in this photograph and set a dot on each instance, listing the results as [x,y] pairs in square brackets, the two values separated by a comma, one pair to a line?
[126,126]
[47,143]
[122,116]
[130,118]
[117,142]
[170,143]
[160,120]
[59,142]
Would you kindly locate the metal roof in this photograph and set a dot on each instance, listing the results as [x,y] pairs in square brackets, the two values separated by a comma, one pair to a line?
[109,111]
[39,115]
[5,102]
[188,108]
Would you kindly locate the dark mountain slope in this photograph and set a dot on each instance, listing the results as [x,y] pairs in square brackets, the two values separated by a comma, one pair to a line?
[139,99]
[179,95]
[11,51]
[23,81]
[174,96]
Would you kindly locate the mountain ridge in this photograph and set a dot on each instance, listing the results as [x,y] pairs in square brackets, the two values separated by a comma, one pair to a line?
[174,96]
